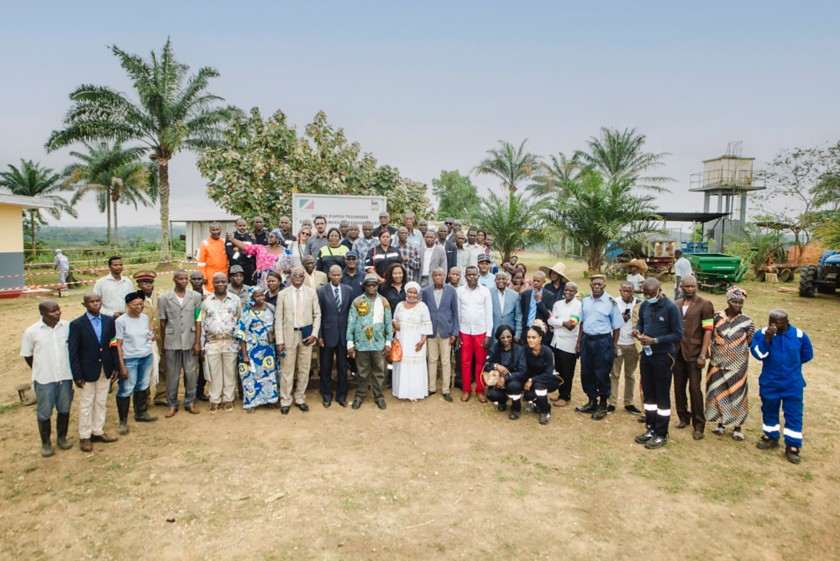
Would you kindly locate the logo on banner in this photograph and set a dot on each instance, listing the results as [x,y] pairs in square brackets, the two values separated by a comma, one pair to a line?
[306,204]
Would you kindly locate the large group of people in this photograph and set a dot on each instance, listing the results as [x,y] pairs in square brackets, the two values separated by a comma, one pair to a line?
[402,307]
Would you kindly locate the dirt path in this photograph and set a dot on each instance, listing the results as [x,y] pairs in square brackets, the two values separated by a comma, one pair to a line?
[429,480]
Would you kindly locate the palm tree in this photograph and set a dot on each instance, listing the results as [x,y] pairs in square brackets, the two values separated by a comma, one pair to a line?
[96,171]
[620,156]
[173,112]
[509,218]
[551,177]
[129,185]
[593,211]
[510,165]
[32,180]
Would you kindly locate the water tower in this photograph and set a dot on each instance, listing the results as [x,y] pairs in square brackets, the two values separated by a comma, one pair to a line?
[728,178]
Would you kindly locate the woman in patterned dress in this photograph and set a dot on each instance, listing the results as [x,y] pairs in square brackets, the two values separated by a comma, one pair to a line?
[274,257]
[726,380]
[258,369]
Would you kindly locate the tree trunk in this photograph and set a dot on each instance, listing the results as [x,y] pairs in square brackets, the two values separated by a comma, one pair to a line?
[108,214]
[163,195]
[116,229]
[32,233]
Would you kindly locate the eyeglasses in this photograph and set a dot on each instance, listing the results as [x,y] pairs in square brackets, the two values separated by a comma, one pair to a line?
[305,234]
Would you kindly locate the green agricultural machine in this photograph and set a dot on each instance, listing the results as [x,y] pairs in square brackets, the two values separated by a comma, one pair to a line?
[715,272]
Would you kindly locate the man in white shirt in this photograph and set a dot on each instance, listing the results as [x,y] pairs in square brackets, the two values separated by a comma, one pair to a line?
[464,257]
[432,256]
[475,314]
[473,246]
[627,355]
[44,349]
[635,276]
[565,319]
[113,287]
[682,269]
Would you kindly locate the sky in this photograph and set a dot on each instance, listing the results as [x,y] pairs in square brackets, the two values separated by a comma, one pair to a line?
[430,86]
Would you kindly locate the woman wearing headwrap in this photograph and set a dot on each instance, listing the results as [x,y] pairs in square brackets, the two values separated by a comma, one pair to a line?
[726,380]
[134,341]
[272,257]
[258,368]
[412,324]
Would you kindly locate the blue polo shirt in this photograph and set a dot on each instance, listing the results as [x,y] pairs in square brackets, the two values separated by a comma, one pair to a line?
[600,316]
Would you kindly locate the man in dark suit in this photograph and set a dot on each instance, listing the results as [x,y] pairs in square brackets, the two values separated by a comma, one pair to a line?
[93,361]
[506,309]
[448,247]
[335,299]
[536,303]
[442,301]
[698,323]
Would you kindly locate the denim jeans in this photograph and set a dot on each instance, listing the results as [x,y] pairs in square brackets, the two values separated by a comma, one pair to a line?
[55,395]
[139,376]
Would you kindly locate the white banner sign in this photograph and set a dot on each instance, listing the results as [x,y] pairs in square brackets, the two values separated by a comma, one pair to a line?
[335,208]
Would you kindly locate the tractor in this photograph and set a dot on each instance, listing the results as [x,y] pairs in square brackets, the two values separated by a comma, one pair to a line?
[823,278]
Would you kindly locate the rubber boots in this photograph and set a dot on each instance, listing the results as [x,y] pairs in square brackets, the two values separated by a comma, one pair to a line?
[45,429]
[61,425]
[141,407]
[123,403]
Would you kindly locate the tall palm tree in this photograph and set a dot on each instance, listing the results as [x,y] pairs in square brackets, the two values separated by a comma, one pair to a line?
[593,211]
[510,165]
[33,180]
[620,156]
[173,112]
[129,184]
[95,171]
[552,176]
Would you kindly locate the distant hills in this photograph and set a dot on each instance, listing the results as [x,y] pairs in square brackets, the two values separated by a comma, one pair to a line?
[86,236]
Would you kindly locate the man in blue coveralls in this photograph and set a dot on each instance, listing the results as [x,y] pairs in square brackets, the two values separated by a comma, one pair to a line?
[783,349]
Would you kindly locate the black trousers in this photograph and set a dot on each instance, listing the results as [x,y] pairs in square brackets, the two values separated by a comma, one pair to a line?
[200,381]
[539,394]
[656,385]
[564,364]
[596,362]
[512,390]
[325,374]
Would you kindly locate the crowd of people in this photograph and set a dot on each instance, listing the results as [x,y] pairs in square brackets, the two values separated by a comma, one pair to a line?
[403,308]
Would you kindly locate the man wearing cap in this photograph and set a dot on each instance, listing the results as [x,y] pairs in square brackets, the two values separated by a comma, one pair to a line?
[62,265]
[146,285]
[113,287]
[237,258]
[635,276]
[212,257]
[600,325]
[369,336]
[485,277]
[237,284]
[297,324]
[557,279]
[432,256]
[178,311]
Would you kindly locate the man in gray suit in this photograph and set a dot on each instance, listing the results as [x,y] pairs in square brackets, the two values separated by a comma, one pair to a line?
[334,298]
[506,309]
[178,315]
[442,301]
[432,256]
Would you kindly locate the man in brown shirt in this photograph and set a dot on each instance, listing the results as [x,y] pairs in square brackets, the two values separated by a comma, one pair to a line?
[698,323]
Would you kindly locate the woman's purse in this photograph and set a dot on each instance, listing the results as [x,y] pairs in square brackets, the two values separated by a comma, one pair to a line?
[396,351]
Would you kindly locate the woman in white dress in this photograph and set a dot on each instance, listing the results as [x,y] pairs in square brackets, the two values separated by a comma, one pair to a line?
[412,324]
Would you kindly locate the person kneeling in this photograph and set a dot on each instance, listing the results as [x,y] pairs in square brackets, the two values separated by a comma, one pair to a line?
[504,372]
[540,378]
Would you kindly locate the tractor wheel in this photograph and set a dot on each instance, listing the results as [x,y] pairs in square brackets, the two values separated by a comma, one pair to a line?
[806,281]
[823,288]
[785,275]
[759,276]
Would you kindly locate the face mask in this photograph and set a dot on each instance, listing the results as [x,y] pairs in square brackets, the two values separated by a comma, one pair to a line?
[653,300]
[411,300]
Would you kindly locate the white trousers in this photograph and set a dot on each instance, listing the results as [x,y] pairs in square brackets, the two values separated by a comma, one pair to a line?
[92,400]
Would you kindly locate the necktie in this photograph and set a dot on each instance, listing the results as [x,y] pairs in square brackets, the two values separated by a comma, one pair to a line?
[298,308]
[532,309]
[337,294]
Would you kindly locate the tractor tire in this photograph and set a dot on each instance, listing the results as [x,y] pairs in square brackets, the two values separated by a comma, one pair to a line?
[823,288]
[806,281]
[785,275]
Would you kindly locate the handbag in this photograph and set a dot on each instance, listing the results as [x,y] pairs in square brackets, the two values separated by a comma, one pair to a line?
[396,351]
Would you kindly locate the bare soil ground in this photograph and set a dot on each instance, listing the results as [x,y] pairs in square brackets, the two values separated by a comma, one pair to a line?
[427,480]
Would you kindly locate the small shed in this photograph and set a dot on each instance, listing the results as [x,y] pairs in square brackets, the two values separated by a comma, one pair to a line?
[11,240]
[198,229]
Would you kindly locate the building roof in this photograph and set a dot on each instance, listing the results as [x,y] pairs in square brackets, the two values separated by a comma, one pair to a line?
[691,216]
[23,201]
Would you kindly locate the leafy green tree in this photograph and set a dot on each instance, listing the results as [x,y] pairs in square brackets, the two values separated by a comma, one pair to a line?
[456,194]
[262,162]
[33,180]
[173,112]
[511,219]
[510,165]
[593,211]
[620,156]
[114,174]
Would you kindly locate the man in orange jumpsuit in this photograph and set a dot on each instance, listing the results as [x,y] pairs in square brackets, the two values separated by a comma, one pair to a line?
[212,258]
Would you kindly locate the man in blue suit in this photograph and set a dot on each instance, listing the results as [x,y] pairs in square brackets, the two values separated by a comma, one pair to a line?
[335,299]
[92,345]
[442,301]
[506,309]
